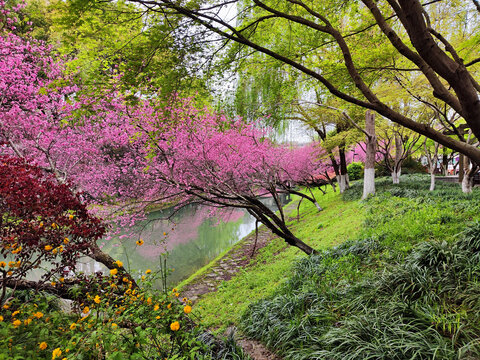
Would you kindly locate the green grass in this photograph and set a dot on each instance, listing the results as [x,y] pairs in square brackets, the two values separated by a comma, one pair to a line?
[407,286]
[340,220]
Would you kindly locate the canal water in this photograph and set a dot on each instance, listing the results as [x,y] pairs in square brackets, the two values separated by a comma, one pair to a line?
[191,239]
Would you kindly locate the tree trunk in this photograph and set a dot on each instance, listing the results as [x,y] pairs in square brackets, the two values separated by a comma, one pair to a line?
[342,179]
[396,176]
[397,167]
[342,183]
[432,179]
[467,184]
[370,148]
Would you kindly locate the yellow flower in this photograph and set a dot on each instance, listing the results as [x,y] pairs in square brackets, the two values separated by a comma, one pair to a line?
[114,325]
[11,263]
[119,263]
[3,264]
[140,242]
[113,272]
[156,307]
[41,224]
[54,251]
[73,326]
[86,310]
[1,318]
[27,321]
[66,240]
[16,323]
[53,283]
[42,345]
[97,299]
[174,290]
[38,314]
[125,279]
[62,279]
[56,353]
[54,225]
[148,271]
[18,263]
[48,247]
[70,216]
[164,234]
[149,301]
[9,273]
[177,294]
[169,306]
[175,326]
[15,313]
[17,250]
[6,306]
[187,309]
[143,277]
[158,317]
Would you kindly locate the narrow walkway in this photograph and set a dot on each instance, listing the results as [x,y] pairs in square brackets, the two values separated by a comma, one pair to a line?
[223,270]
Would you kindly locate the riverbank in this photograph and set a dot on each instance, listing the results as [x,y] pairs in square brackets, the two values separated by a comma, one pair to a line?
[300,306]
[224,288]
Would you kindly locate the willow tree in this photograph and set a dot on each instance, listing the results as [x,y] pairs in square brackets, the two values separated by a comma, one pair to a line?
[349,47]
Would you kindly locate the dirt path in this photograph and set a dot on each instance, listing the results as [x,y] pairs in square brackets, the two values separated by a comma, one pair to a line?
[223,270]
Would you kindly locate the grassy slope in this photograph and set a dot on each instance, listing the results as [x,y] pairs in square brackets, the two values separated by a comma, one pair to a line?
[340,220]
[407,287]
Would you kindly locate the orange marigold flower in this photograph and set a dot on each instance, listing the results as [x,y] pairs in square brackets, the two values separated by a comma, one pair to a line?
[66,240]
[169,306]
[15,313]
[187,309]
[140,242]
[148,271]
[3,264]
[16,323]
[43,345]
[70,216]
[156,307]
[56,353]
[119,263]
[113,272]
[73,326]
[27,321]
[114,325]
[38,315]
[17,250]
[149,301]
[48,247]
[86,310]
[175,326]
[1,318]
[97,299]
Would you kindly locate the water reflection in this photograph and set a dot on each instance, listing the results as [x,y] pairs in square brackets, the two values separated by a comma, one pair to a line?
[191,240]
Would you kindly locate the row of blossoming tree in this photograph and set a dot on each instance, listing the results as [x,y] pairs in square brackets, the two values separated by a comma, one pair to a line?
[63,148]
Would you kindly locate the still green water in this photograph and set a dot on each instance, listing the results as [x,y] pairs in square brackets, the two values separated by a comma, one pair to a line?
[192,239]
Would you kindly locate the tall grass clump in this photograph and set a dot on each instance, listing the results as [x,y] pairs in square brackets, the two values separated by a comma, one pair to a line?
[408,288]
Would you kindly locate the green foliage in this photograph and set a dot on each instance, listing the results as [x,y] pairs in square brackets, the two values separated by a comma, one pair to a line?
[355,170]
[407,288]
[114,321]
[224,307]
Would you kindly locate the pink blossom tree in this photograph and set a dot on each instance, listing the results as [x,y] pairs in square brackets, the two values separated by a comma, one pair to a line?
[131,154]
